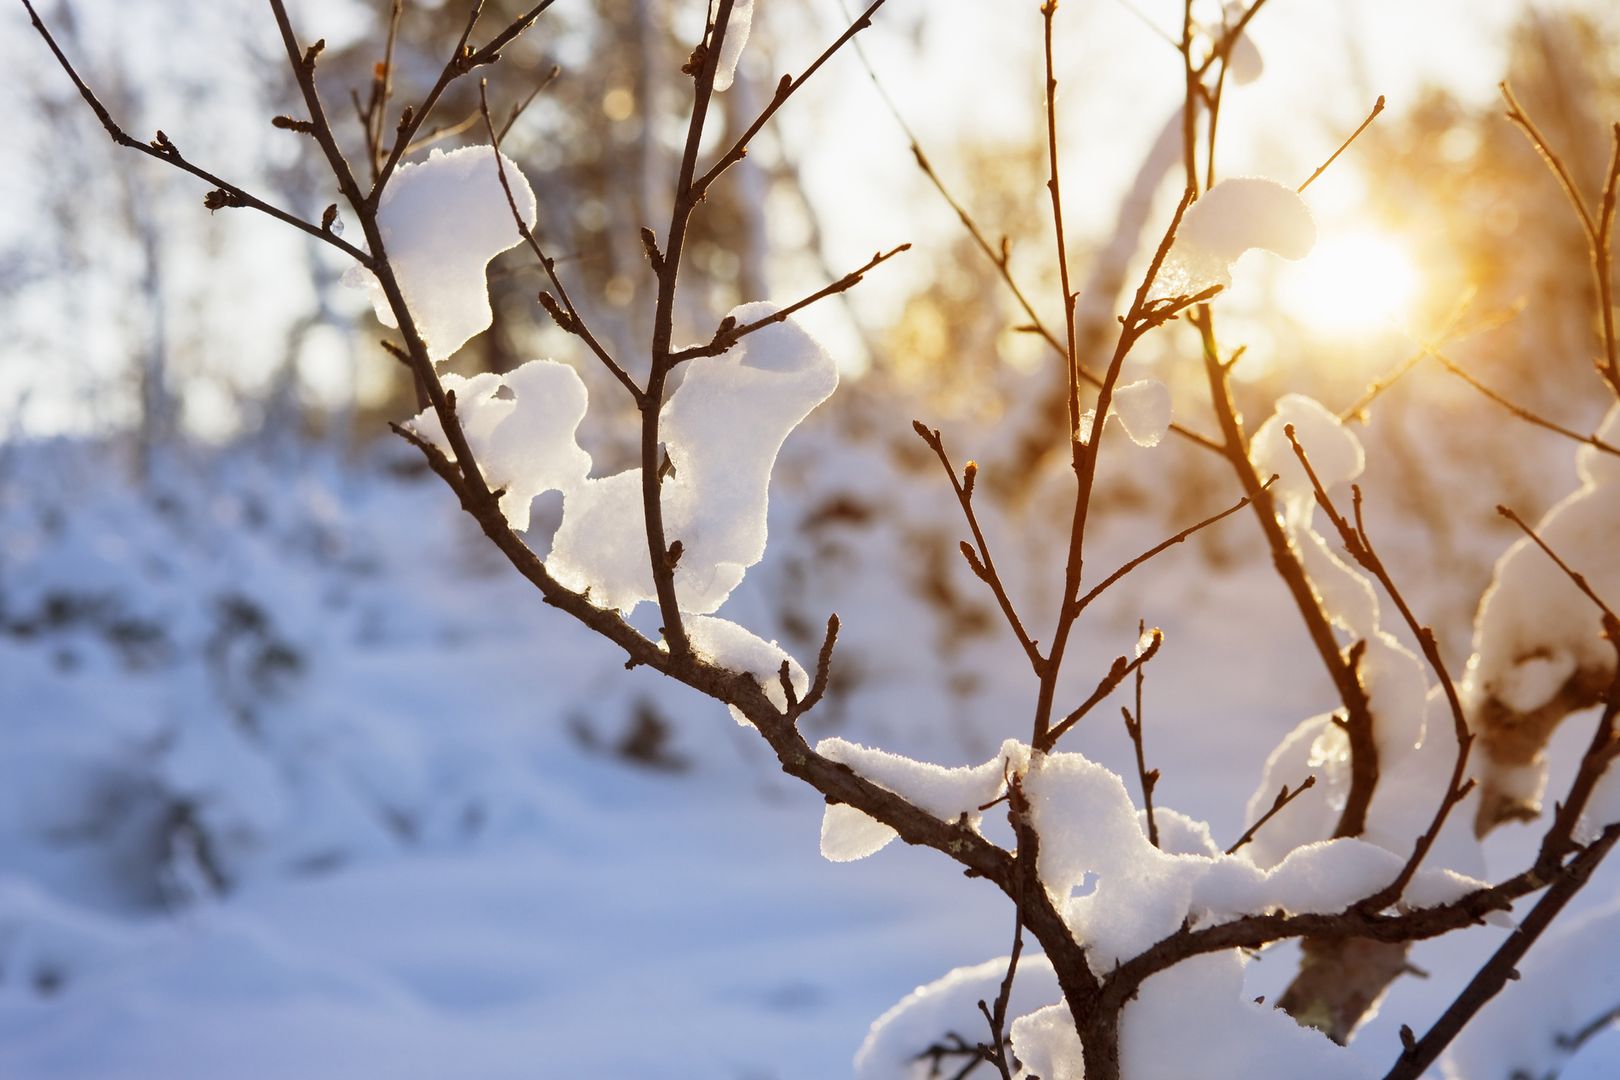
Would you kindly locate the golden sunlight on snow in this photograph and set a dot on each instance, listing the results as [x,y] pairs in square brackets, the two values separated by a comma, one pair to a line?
[1360,283]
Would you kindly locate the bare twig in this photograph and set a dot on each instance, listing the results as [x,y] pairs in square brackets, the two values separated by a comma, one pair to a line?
[729,332]
[1378,107]
[1518,410]
[784,90]
[1162,546]
[225,193]
[1149,778]
[569,319]
[1110,682]
[1284,797]
[463,59]
[979,557]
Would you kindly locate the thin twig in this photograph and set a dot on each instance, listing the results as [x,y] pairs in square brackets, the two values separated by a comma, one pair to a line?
[570,319]
[784,90]
[1378,107]
[161,148]
[1110,682]
[1163,545]
[729,333]
[1518,410]
[1149,778]
[462,60]
[979,558]
[1284,797]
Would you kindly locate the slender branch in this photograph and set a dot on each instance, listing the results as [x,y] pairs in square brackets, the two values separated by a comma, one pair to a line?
[1550,157]
[1360,547]
[1502,966]
[1610,623]
[729,333]
[1378,107]
[226,194]
[569,318]
[1284,797]
[462,60]
[784,90]
[1149,778]
[1110,682]
[979,558]
[1518,410]
[1162,546]
[1599,230]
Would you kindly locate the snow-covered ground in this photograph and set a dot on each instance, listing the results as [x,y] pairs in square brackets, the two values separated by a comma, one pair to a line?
[297,779]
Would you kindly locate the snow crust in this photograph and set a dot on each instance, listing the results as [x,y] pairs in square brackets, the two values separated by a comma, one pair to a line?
[442,221]
[737,30]
[1229,219]
[949,794]
[723,428]
[1334,451]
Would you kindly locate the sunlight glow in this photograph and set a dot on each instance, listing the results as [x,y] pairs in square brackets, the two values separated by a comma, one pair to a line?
[1361,283]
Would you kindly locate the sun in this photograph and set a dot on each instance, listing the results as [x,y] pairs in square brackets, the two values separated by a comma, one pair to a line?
[1356,284]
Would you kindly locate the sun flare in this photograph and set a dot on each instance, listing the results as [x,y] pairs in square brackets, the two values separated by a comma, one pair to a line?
[1358,283]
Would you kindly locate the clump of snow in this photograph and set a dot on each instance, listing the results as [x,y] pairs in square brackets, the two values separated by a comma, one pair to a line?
[1227,220]
[1244,63]
[1047,1044]
[442,221]
[1334,451]
[525,443]
[738,649]
[723,428]
[948,794]
[1412,727]
[1142,894]
[1539,650]
[1142,409]
[949,1005]
[1200,1003]
[737,30]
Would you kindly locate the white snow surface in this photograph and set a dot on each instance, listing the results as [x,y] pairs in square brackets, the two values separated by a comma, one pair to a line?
[739,649]
[442,220]
[737,31]
[524,443]
[949,794]
[1121,894]
[1535,629]
[1229,219]
[1335,454]
[723,428]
